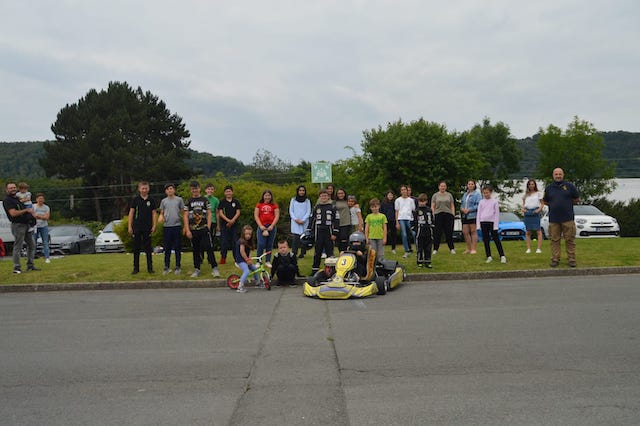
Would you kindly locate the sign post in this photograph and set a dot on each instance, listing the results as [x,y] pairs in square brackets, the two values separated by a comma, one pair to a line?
[321,172]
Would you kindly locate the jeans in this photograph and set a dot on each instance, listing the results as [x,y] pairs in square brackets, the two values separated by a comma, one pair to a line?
[246,269]
[43,233]
[22,235]
[405,231]
[172,236]
[265,243]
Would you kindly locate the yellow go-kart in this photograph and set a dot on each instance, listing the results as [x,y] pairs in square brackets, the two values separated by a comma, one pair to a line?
[340,280]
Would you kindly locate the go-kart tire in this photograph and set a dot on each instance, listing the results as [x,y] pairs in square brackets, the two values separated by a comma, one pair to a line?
[382,286]
[233,281]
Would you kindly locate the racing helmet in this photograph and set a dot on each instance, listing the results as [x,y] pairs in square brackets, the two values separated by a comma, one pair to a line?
[357,240]
[307,239]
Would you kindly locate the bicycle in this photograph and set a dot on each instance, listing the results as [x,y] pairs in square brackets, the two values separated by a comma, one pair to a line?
[261,274]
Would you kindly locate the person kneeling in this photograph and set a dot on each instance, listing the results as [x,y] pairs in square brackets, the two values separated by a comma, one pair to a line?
[285,265]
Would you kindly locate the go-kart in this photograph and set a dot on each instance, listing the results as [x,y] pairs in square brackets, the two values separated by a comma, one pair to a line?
[339,279]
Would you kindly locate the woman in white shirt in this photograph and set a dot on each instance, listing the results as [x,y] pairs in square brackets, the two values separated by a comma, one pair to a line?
[532,205]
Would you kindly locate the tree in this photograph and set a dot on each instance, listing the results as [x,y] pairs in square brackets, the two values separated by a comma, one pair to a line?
[113,138]
[579,152]
[419,153]
[499,154]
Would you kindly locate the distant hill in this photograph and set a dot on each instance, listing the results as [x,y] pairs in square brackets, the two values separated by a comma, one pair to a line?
[20,159]
[621,147]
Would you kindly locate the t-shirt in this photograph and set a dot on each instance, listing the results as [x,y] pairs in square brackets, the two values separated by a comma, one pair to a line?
[197,209]
[41,211]
[559,197]
[267,213]
[376,223]
[442,202]
[14,203]
[229,208]
[214,202]
[355,220]
[532,201]
[172,211]
[143,212]
[405,207]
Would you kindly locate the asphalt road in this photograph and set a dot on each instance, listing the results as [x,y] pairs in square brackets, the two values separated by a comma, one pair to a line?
[556,350]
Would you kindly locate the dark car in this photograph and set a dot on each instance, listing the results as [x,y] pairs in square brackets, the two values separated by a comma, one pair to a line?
[70,239]
[510,227]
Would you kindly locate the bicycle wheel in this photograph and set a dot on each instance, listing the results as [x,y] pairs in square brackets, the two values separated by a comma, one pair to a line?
[266,279]
[233,281]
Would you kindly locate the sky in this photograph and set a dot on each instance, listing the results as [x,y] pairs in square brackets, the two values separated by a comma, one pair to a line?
[304,79]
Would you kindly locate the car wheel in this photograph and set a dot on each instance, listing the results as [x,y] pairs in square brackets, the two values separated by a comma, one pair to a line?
[382,286]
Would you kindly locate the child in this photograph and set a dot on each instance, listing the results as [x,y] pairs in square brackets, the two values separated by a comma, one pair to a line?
[423,227]
[142,223]
[356,214]
[325,225]
[285,265]
[228,214]
[375,229]
[365,258]
[242,255]
[24,196]
[171,209]
[487,220]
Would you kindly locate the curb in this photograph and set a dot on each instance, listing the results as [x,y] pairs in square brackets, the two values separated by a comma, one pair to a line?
[219,283]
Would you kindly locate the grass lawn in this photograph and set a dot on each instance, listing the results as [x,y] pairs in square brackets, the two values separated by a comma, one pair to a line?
[604,252]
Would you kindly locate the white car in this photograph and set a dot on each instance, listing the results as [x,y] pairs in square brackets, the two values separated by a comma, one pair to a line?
[108,241]
[590,222]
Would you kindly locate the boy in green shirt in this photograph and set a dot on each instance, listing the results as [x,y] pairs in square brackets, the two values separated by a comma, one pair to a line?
[375,229]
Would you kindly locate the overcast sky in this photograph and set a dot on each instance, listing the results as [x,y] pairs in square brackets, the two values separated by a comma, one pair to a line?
[303,79]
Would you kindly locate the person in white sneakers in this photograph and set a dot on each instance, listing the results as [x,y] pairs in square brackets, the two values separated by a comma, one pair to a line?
[487,220]
[532,205]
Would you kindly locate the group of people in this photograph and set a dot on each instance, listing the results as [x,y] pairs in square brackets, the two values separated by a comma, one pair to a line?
[331,219]
[29,222]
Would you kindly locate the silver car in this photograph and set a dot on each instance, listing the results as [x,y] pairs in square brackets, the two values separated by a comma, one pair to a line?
[108,241]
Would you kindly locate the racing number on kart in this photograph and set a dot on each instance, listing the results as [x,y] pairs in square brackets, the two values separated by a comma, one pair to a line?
[344,262]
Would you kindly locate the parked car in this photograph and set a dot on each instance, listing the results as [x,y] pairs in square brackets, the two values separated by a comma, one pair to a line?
[590,222]
[510,227]
[108,241]
[70,239]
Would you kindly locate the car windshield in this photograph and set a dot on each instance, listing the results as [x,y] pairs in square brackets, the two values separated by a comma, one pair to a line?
[586,210]
[62,231]
[110,226]
[509,217]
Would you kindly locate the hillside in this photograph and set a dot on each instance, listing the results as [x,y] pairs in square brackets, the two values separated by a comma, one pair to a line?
[20,159]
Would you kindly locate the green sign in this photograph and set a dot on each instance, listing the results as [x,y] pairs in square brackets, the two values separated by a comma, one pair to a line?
[321,172]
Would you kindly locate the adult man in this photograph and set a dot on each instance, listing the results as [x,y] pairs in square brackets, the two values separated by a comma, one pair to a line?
[197,218]
[22,219]
[142,223]
[560,196]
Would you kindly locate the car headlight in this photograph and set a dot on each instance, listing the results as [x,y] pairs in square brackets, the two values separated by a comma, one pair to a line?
[581,221]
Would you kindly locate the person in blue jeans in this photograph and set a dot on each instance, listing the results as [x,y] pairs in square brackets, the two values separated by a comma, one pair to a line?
[405,205]
[42,212]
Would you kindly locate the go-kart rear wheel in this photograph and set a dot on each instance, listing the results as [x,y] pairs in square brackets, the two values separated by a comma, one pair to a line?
[382,285]
[233,281]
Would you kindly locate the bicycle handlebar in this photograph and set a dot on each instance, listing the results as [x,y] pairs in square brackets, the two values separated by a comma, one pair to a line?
[261,256]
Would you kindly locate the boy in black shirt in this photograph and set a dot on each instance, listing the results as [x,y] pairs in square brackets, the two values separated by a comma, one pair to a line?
[423,228]
[142,223]
[285,265]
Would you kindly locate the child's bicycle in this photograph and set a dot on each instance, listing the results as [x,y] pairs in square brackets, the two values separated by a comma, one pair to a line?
[260,274]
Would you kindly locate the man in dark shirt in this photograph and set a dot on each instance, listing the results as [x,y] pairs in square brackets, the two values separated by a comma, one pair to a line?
[142,223]
[560,196]
[22,219]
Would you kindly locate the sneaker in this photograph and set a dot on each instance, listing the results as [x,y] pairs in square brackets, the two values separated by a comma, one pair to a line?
[267,264]
[196,273]
[435,252]
[301,256]
[405,255]
[177,271]
[538,251]
[165,271]
[223,260]
[419,265]
[453,251]
[489,259]
[528,251]
[16,270]
[393,251]
[429,266]
[33,268]
[150,271]
[573,264]
[241,290]
[215,272]
[503,259]
[293,285]
[47,260]
[554,263]
[135,271]
[324,256]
